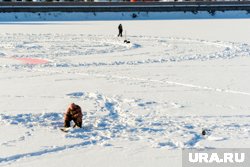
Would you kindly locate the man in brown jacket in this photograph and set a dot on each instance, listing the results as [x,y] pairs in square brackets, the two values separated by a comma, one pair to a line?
[74,112]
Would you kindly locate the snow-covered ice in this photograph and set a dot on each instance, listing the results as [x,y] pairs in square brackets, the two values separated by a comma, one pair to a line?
[142,102]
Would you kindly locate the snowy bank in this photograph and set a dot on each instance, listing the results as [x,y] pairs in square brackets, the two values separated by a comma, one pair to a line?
[82,16]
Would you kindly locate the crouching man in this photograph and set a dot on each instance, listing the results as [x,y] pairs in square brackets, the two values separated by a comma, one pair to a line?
[73,113]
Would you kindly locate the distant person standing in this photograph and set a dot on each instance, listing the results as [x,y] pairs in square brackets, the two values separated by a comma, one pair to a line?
[120,30]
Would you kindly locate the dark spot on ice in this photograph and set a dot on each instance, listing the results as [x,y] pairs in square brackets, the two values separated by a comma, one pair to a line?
[134,16]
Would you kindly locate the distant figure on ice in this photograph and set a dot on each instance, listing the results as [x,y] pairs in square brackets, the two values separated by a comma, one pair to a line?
[73,113]
[120,30]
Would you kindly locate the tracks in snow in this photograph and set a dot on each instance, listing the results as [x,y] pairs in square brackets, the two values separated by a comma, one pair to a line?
[118,118]
[61,50]
[115,117]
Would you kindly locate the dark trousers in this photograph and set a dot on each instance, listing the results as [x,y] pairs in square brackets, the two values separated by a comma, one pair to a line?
[120,34]
[69,119]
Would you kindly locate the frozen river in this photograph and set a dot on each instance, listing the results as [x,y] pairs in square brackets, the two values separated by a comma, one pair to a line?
[142,102]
